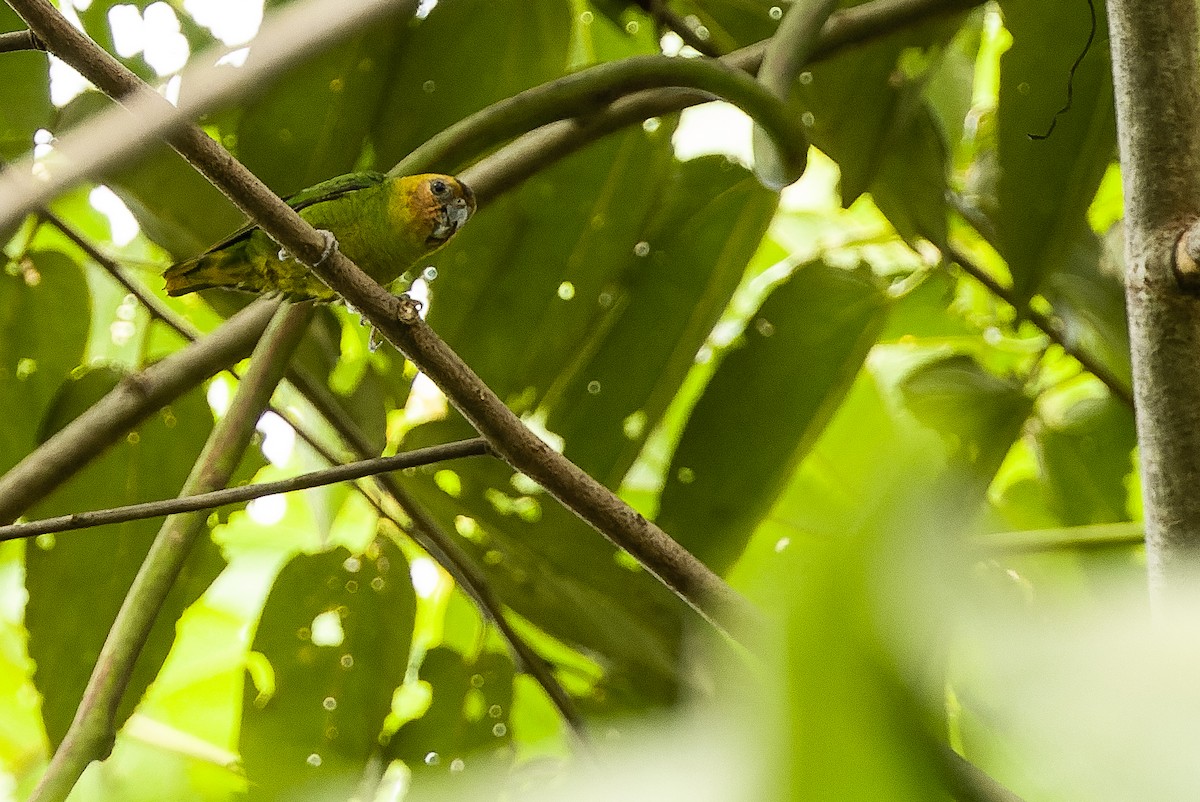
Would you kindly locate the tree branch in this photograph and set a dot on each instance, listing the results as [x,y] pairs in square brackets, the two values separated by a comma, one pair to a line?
[787,52]
[1051,326]
[398,321]
[431,537]
[15,41]
[235,495]
[586,92]
[135,398]
[506,168]
[90,736]
[667,17]
[157,309]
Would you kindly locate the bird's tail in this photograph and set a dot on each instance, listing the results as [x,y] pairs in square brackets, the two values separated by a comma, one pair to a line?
[213,269]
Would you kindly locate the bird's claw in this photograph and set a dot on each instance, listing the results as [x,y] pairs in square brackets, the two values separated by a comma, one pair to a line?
[331,245]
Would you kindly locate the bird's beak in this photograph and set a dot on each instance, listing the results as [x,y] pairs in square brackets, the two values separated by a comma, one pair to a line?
[459,211]
[451,216]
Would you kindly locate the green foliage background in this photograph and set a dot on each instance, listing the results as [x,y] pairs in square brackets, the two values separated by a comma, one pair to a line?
[802,392]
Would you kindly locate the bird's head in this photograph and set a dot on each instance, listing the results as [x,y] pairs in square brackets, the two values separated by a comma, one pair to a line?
[441,203]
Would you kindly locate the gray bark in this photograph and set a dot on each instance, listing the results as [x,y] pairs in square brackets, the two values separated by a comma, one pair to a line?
[1157,82]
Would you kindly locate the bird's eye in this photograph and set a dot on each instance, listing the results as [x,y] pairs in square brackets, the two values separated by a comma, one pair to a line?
[439,187]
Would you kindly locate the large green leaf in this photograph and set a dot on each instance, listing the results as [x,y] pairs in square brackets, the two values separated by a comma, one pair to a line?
[337,629]
[938,392]
[696,247]
[765,407]
[44,314]
[24,93]
[77,581]
[1046,185]
[1087,459]
[466,725]
[466,55]
[1089,297]
[175,206]
[311,124]
[858,555]
[910,187]
[600,365]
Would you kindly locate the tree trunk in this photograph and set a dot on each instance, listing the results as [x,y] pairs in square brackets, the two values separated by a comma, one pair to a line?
[1157,82]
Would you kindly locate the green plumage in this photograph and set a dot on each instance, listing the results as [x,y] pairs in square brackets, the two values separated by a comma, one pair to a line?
[383,224]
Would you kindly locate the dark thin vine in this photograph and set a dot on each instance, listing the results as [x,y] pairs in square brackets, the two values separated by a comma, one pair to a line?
[1071,76]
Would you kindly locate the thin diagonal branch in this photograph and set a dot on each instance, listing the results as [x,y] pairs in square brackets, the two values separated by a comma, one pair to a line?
[235,495]
[398,321]
[667,17]
[90,736]
[155,307]
[446,552]
[1050,325]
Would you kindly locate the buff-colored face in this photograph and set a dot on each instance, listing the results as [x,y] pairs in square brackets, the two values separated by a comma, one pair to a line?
[445,202]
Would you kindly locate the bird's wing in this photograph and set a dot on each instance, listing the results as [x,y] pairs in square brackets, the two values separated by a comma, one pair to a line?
[317,193]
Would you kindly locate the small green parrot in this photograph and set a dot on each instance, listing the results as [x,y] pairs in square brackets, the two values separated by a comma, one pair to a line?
[383,224]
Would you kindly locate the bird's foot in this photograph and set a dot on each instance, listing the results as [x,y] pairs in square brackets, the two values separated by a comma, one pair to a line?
[331,245]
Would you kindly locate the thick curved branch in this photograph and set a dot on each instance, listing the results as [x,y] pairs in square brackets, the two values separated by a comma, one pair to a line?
[91,734]
[397,320]
[787,52]
[134,399]
[212,499]
[588,91]
[506,168]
